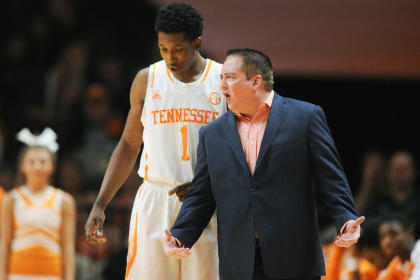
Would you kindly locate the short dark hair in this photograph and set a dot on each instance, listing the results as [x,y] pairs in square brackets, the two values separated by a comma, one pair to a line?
[400,218]
[180,18]
[255,63]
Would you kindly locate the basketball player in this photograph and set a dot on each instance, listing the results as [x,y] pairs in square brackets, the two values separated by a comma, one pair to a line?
[170,101]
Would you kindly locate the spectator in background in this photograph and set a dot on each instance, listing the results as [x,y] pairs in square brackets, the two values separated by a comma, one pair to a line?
[71,177]
[59,104]
[371,258]
[373,180]
[21,83]
[403,195]
[38,220]
[66,81]
[100,135]
[396,234]
[110,70]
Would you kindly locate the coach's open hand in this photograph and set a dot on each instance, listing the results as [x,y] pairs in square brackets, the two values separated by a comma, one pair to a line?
[174,248]
[350,234]
[181,191]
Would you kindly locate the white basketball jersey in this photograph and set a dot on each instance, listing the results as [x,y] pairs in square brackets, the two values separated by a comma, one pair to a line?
[173,113]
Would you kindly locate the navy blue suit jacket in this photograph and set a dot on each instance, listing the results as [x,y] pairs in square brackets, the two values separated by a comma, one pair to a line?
[297,155]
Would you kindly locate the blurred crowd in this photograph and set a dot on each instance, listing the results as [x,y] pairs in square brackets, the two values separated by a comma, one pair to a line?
[389,245]
[68,65]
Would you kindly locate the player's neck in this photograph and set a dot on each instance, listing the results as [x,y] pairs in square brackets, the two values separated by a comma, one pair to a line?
[194,72]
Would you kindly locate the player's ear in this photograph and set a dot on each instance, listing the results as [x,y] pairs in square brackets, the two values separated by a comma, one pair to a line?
[197,43]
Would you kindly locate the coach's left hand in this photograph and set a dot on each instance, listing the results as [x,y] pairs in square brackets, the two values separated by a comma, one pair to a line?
[350,234]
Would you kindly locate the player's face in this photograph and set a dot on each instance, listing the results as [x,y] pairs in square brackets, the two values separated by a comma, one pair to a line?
[235,86]
[392,238]
[179,53]
[37,164]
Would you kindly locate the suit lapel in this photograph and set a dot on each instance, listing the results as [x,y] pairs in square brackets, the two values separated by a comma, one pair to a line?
[231,131]
[277,113]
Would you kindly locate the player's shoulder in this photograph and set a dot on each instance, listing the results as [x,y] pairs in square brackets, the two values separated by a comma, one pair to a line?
[215,63]
[216,66]
[139,85]
[143,73]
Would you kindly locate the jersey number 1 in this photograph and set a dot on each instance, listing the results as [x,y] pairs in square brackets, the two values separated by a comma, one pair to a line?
[184,131]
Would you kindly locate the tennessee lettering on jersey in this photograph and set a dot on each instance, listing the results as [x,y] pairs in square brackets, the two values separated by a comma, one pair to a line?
[179,115]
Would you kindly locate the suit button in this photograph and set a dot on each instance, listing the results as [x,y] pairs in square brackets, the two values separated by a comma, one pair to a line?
[253,188]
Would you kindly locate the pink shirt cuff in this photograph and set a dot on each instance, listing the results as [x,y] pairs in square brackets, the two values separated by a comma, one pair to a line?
[343,227]
[179,243]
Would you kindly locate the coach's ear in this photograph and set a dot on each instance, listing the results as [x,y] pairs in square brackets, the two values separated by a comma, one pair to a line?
[196,43]
[258,82]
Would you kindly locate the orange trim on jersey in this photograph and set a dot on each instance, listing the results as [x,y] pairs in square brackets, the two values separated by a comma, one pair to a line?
[153,76]
[141,188]
[28,202]
[36,261]
[133,249]
[42,231]
[169,74]
[207,71]
[50,202]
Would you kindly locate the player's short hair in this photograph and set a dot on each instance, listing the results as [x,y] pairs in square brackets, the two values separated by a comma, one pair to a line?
[256,63]
[180,18]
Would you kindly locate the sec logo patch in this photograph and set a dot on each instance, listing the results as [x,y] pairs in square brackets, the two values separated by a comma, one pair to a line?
[215,98]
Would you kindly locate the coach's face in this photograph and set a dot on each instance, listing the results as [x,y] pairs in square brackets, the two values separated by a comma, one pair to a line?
[238,90]
[179,53]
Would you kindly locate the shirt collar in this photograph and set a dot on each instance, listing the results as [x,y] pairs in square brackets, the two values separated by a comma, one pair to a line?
[265,106]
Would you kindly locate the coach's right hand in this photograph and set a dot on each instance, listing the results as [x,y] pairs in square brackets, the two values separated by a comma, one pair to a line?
[173,248]
[95,226]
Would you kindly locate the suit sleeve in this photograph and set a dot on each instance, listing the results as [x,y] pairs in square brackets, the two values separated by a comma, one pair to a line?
[199,205]
[334,189]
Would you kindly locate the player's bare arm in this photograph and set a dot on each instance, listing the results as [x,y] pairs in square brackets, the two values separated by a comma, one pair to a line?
[122,160]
